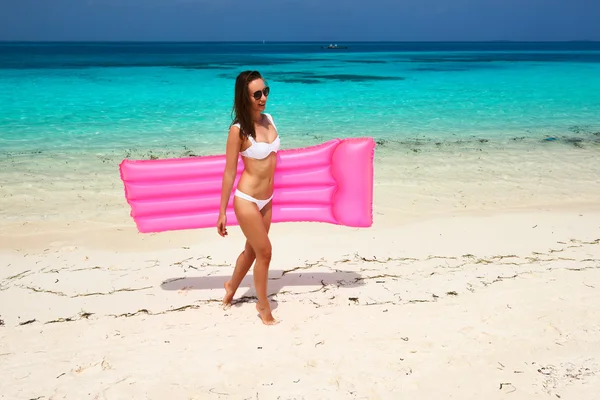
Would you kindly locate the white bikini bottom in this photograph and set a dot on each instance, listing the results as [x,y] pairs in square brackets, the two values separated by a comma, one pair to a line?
[260,203]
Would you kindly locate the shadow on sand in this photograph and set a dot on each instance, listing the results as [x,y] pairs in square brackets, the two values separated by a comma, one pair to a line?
[277,281]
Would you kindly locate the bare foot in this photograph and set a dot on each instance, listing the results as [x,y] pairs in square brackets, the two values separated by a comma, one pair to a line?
[229,293]
[266,316]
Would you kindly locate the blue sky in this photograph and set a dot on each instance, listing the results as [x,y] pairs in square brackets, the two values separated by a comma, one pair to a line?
[282,20]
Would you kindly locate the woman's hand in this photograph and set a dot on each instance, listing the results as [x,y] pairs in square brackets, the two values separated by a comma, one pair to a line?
[222,225]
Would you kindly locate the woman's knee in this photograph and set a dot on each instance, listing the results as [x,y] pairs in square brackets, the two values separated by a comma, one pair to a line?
[249,252]
[264,253]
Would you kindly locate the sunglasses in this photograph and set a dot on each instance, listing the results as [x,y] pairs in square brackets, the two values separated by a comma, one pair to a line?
[258,94]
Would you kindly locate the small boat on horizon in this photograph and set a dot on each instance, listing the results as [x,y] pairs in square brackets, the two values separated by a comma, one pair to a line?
[334,47]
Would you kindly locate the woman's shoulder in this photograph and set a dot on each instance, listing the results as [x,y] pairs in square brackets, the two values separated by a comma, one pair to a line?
[235,129]
[270,118]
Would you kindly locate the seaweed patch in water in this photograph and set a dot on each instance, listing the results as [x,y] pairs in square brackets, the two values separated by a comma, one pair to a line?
[310,77]
[203,67]
[359,78]
[578,129]
[225,75]
[440,69]
[574,141]
[577,142]
[299,80]
[280,74]
[366,61]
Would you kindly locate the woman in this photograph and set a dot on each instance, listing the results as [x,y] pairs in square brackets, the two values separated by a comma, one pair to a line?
[254,136]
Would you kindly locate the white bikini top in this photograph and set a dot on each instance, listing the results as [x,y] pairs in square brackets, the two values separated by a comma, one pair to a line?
[260,150]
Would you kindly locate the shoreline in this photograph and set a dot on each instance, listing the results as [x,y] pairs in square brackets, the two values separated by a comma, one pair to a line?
[54,199]
[583,136]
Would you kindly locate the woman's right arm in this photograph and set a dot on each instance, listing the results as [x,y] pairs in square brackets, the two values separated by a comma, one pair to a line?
[231,163]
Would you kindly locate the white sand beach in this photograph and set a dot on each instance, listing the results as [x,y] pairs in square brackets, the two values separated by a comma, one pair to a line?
[478,280]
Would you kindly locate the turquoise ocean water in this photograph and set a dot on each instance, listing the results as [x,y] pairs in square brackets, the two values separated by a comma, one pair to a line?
[114,97]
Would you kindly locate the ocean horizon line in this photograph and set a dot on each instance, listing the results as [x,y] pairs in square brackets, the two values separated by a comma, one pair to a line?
[329,41]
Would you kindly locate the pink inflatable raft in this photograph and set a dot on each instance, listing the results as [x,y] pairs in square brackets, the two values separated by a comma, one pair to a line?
[331,182]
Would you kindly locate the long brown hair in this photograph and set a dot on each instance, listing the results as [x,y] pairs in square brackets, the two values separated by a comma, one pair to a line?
[241,103]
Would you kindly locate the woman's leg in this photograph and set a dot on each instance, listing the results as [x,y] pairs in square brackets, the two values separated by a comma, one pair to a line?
[244,261]
[251,221]
[242,266]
